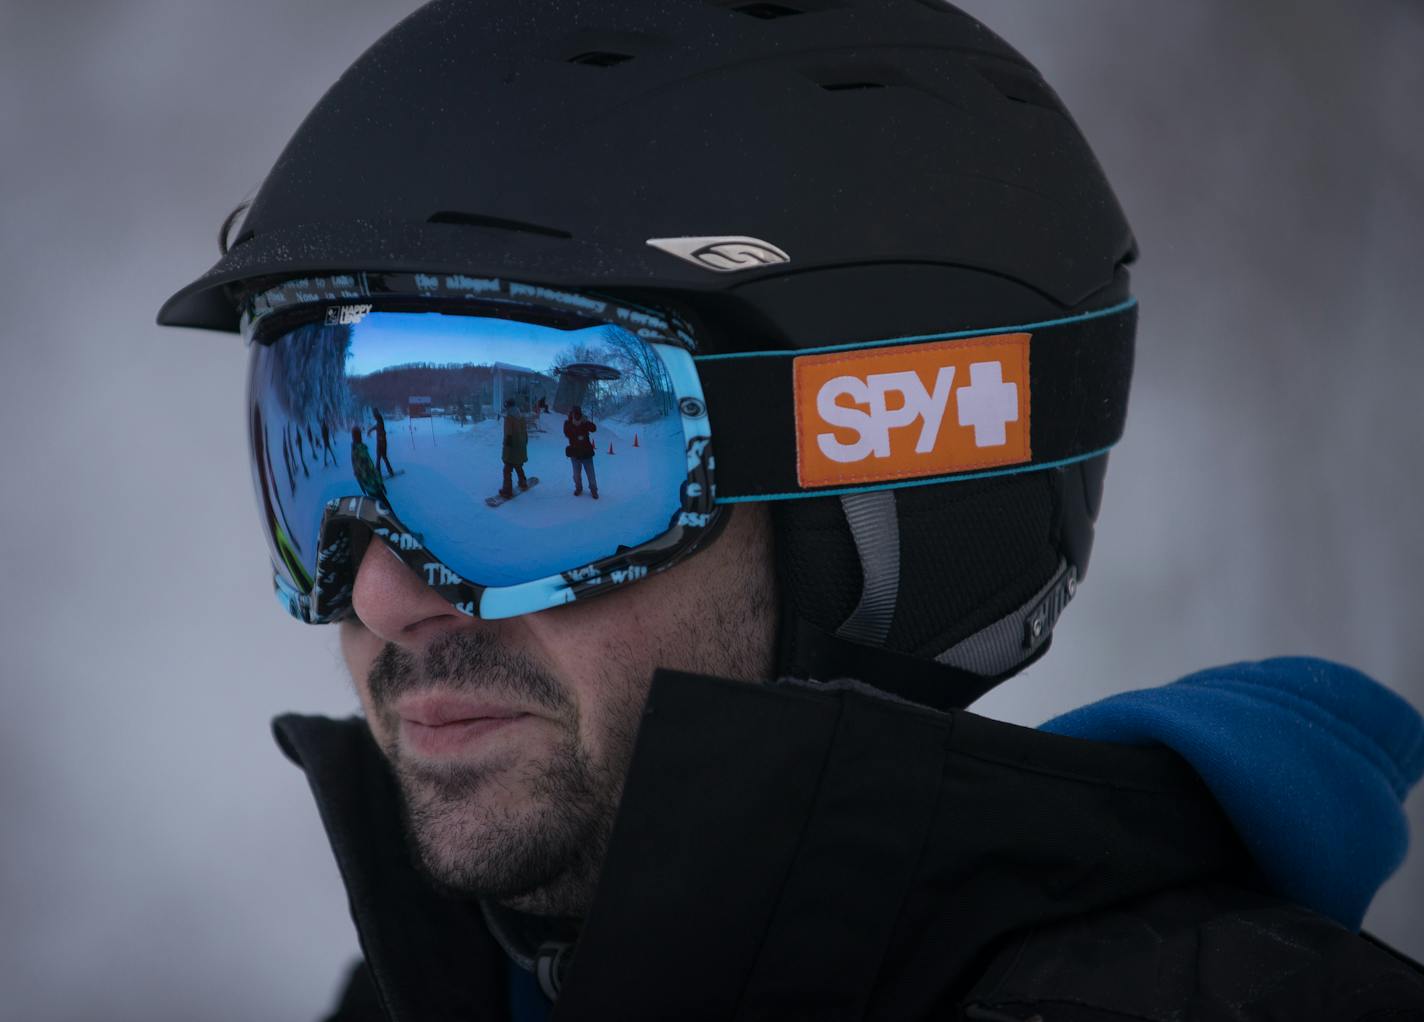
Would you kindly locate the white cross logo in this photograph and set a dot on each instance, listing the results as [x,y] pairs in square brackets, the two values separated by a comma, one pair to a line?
[987,404]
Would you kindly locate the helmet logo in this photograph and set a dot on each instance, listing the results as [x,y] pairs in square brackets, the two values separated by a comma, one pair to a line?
[723,254]
[899,412]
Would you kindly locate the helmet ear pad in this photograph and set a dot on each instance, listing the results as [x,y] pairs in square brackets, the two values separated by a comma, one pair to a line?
[1080,496]
[970,554]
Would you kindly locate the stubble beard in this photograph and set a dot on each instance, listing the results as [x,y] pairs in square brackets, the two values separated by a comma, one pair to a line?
[527,833]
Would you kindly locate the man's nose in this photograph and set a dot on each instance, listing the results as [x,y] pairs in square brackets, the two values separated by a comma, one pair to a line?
[395,603]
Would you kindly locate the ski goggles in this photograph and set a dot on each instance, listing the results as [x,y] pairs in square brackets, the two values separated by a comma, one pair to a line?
[519,446]
[516,446]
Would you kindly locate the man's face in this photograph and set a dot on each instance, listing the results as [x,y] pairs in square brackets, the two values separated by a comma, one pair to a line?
[510,739]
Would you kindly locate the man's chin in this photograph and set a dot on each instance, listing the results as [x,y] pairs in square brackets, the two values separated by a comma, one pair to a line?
[488,833]
[533,884]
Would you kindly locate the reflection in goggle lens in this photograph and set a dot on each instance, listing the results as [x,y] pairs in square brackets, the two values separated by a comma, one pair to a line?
[511,450]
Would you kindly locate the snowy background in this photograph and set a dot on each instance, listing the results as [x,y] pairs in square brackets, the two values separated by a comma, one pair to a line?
[160,861]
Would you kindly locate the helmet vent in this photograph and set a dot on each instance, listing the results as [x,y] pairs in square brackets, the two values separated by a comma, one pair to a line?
[1018,84]
[601,58]
[476,220]
[858,76]
[767,12]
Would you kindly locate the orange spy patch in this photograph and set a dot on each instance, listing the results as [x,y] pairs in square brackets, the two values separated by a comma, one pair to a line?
[874,414]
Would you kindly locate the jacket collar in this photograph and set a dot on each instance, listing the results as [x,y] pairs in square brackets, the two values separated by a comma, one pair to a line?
[430,956]
[776,846]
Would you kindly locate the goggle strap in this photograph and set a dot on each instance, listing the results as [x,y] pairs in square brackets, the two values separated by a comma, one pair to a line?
[1079,371]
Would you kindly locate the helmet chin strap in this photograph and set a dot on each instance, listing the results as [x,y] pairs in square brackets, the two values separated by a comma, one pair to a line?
[874,522]
[808,652]
[953,679]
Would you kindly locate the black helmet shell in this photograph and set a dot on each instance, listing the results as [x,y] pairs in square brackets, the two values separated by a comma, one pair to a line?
[550,141]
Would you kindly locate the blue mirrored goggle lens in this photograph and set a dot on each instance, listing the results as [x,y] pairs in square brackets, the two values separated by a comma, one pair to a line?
[487,437]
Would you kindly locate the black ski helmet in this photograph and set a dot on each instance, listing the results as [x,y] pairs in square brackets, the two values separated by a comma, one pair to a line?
[879,168]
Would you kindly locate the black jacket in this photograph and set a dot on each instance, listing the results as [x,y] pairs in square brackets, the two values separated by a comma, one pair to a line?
[793,853]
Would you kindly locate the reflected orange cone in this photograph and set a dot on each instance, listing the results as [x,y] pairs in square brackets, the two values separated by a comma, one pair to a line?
[610,447]
[635,439]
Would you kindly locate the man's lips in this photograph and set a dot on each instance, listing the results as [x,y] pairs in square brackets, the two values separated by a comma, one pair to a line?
[443,727]
[439,710]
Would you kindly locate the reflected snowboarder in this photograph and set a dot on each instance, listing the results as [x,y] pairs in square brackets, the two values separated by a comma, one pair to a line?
[370,481]
[380,430]
[516,448]
[326,448]
[580,450]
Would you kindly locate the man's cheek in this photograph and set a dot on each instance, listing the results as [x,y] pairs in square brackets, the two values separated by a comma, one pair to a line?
[358,646]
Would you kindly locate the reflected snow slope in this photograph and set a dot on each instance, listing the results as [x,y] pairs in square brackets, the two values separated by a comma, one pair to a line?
[451,469]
